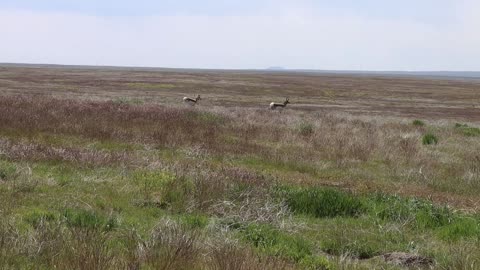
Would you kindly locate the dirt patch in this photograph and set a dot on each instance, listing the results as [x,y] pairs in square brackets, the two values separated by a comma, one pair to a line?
[408,260]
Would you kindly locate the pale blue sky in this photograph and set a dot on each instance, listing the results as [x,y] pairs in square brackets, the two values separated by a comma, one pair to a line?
[342,34]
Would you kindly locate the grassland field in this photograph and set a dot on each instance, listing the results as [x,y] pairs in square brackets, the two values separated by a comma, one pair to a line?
[104,168]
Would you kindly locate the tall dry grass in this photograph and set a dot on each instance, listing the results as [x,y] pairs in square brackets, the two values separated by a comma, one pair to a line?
[168,246]
[311,143]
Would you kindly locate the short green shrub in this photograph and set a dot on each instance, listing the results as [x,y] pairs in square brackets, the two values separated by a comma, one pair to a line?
[276,243]
[36,216]
[80,218]
[194,221]
[7,170]
[461,228]
[176,194]
[128,101]
[471,132]
[417,213]
[358,249]
[418,123]
[305,129]
[429,139]
[321,202]
[315,263]
[467,130]
[209,117]
[24,182]
[161,189]
[152,180]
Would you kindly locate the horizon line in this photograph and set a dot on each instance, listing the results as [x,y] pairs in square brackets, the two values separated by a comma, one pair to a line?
[268,69]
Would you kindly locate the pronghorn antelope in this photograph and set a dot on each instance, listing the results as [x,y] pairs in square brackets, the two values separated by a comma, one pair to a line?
[191,101]
[274,105]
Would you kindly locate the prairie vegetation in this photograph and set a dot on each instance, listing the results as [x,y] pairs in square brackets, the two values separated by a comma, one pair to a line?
[115,182]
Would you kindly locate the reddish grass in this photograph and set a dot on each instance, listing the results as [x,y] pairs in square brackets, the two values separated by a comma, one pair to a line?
[105,120]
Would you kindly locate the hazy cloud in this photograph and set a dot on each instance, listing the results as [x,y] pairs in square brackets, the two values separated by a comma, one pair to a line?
[294,36]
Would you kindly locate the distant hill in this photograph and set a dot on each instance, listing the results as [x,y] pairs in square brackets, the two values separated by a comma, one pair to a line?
[443,74]
[276,68]
[434,74]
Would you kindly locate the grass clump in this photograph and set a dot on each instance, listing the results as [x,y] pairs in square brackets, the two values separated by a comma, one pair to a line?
[305,129]
[161,189]
[467,130]
[461,228]
[274,242]
[418,123]
[322,202]
[36,216]
[417,213]
[80,218]
[7,170]
[128,101]
[429,139]
[194,221]
[209,118]
[361,249]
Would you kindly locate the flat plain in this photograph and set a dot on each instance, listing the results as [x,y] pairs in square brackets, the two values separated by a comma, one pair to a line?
[106,168]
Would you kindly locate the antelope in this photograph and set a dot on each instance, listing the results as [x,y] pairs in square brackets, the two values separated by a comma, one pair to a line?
[191,101]
[274,105]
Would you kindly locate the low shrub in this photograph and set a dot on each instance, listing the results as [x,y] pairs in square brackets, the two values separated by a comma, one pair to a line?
[36,216]
[276,243]
[209,118]
[356,249]
[194,221]
[418,123]
[322,202]
[7,170]
[80,218]
[461,228]
[467,130]
[417,213]
[231,256]
[161,189]
[171,246]
[128,101]
[315,263]
[429,139]
[305,129]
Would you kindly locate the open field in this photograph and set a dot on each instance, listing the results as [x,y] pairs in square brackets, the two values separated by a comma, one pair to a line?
[106,169]
[383,96]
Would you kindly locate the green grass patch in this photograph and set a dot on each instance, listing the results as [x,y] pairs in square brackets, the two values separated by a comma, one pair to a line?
[152,180]
[35,216]
[128,101]
[194,221]
[321,202]
[274,242]
[7,170]
[467,131]
[429,139]
[162,189]
[461,228]
[209,118]
[305,129]
[277,165]
[65,173]
[417,213]
[81,218]
[418,123]
[115,146]
[362,238]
